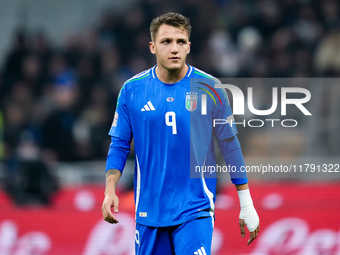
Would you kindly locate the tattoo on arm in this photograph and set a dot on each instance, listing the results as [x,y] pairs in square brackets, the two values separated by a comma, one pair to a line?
[116,175]
[111,172]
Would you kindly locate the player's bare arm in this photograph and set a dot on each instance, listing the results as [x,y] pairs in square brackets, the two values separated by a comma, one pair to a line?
[111,199]
[248,215]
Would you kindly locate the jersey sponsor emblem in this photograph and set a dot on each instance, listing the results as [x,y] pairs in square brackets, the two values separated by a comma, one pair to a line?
[200,251]
[115,120]
[143,214]
[148,107]
[191,101]
[170,99]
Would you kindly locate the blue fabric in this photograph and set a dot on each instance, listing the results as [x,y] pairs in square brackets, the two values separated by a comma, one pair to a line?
[118,152]
[231,151]
[171,137]
[191,237]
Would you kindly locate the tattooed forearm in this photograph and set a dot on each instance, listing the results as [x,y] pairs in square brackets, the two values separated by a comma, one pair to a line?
[113,175]
[112,172]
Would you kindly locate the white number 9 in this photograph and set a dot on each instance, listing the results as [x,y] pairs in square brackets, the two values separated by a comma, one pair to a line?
[170,120]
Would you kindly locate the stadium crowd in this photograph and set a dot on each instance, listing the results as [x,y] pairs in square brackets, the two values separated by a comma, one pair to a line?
[57,101]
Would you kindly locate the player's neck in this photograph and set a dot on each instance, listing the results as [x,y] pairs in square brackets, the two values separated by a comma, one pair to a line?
[171,76]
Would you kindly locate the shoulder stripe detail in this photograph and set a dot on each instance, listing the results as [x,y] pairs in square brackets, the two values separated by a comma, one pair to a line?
[199,71]
[204,74]
[139,76]
[225,96]
[141,73]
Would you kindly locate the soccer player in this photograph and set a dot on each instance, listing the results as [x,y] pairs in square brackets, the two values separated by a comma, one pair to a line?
[172,129]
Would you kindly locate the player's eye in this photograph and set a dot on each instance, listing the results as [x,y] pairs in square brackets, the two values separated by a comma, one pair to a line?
[182,42]
[167,41]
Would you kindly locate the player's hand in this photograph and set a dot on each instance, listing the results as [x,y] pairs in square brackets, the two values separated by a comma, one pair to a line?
[248,217]
[110,200]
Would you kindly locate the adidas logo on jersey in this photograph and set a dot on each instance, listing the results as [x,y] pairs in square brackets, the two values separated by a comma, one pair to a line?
[148,107]
[200,251]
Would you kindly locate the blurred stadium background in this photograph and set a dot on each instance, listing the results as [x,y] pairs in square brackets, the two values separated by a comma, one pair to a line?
[62,64]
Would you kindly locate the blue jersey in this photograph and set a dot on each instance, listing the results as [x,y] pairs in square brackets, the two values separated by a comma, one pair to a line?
[172,128]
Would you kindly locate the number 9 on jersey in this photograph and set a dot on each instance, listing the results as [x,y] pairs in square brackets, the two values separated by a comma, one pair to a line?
[170,120]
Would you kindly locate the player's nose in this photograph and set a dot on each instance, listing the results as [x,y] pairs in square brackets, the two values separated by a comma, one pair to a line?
[174,48]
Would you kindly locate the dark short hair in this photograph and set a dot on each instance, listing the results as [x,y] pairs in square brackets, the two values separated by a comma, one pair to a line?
[170,19]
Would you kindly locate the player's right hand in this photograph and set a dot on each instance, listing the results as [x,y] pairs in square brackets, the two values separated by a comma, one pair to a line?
[110,200]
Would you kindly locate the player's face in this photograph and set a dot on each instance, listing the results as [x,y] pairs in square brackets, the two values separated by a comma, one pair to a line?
[171,47]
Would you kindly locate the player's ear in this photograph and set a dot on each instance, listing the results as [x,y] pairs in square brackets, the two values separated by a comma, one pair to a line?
[189,47]
[152,47]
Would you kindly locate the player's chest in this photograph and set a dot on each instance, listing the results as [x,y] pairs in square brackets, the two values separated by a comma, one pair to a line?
[157,102]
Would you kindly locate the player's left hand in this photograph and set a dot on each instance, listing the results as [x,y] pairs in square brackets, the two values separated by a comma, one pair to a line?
[248,217]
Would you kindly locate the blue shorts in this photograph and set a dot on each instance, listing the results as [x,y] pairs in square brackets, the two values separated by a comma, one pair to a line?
[191,237]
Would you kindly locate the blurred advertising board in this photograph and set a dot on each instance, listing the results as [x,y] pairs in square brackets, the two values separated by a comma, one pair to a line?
[295,218]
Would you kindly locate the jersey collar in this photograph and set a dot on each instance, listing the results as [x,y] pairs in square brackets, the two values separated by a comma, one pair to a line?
[153,73]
